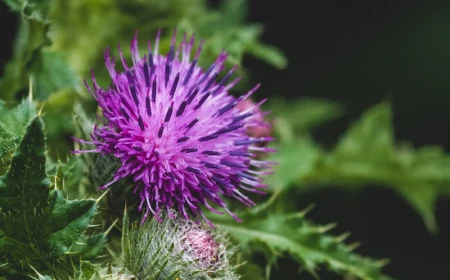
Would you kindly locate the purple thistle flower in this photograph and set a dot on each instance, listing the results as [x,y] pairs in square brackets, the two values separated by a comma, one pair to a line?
[177,132]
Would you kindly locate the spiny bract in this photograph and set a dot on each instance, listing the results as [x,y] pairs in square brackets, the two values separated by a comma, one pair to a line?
[177,131]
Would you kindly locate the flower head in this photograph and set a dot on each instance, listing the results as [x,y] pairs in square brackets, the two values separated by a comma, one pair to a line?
[199,246]
[177,131]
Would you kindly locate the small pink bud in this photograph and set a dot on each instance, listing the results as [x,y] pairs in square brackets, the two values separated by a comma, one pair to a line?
[201,246]
[259,127]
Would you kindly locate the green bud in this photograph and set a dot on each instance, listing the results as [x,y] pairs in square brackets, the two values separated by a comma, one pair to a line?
[176,248]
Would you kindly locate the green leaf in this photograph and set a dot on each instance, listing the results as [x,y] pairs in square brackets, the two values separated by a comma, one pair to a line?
[222,28]
[88,171]
[269,54]
[13,123]
[296,159]
[69,219]
[238,39]
[251,271]
[37,225]
[305,242]
[32,36]
[372,135]
[302,115]
[89,247]
[31,60]
[84,125]
[27,172]
[367,154]
[89,271]
[51,73]
[31,9]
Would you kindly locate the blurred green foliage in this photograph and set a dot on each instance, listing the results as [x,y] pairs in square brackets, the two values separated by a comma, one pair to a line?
[60,41]
[366,154]
[81,34]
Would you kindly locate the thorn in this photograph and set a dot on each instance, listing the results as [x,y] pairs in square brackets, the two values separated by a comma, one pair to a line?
[94,225]
[111,252]
[71,253]
[110,228]
[30,91]
[98,199]
[40,275]
[306,210]
[325,228]
[302,213]
[353,246]
[41,109]
[73,265]
[342,237]
[384,262]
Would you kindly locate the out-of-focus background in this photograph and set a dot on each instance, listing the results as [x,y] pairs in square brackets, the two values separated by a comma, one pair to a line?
[357,53]
[360,53]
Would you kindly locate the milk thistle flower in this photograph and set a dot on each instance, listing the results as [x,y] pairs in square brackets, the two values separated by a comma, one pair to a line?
[177,132]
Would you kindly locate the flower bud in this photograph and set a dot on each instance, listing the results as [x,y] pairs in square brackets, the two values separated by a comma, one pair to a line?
[176,248]
[260,126]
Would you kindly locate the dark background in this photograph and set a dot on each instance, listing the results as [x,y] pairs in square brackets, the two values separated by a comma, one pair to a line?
[360,53]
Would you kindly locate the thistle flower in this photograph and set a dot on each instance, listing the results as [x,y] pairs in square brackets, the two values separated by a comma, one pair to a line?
[177,131]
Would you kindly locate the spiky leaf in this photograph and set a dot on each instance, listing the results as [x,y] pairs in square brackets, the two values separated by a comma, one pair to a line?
[37,224]
[367,153]
[89,247]
[305,242]
[13,123]
[89,271]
